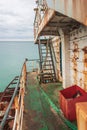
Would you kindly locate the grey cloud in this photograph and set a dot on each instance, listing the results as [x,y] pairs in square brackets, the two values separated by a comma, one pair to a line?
[16,19]
[3,12]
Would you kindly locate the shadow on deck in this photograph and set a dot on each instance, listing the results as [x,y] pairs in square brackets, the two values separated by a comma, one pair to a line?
[38,113]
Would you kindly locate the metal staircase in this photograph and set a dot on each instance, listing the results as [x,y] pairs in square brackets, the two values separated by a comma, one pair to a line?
[47,74]
[8,92]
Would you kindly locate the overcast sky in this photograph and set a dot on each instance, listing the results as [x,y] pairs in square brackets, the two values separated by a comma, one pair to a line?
[16,19]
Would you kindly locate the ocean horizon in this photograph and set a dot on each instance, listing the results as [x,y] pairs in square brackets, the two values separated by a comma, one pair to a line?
[12,56]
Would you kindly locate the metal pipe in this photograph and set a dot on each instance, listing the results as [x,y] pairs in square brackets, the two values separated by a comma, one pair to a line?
[40,55]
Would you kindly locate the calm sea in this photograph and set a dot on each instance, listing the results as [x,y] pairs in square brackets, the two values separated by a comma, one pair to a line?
[12,56]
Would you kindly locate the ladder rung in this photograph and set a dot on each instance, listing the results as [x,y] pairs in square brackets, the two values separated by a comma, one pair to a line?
[14,83]
[8,94]
[48,65]
[45,56]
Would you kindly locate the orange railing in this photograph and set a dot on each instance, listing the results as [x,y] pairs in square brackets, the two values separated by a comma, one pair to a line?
[18,101]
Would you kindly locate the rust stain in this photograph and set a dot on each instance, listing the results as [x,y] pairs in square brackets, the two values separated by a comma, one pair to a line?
[74,7]
[85,67]
[81,82]
[74,60]
[66,5]
[56,46]
[76,51]
[57,55]
[86,21]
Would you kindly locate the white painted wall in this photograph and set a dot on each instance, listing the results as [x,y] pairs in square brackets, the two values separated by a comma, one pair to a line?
[74,69]
[79,37]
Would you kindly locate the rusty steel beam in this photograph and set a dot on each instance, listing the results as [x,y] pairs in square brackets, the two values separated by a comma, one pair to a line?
[47,17]
[43,41]
[51,22]
[50,33]
[76,9]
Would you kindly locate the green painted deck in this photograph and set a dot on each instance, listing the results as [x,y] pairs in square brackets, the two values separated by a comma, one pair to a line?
[41,110]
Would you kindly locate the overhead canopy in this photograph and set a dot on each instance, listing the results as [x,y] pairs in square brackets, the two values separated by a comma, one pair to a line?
[52,21]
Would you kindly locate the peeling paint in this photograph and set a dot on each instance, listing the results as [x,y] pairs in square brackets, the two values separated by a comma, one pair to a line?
[74,60]
[56,48]
[85,67]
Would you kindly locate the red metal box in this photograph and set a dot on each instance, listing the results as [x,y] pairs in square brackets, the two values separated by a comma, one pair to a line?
[68,98]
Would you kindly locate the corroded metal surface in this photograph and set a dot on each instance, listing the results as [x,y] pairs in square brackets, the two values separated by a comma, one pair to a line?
[74,60]
[56,51]
[12,103]
[19,101]
[76,9]
[78,57]
[47,17]
[51,22]
[85,67]
[69,16]
[38,113]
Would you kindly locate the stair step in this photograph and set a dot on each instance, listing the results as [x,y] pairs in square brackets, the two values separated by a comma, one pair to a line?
[45,56]
[48,69]
[48,60]
[48,65]
[47,77]
[48,73]
[44,52]
[43,48]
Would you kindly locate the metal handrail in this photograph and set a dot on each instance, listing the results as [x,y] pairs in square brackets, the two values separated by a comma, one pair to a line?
[11,102]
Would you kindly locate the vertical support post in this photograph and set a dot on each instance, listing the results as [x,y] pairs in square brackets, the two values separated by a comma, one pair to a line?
[61,58]
[65,61]
[65,46]
[40,54]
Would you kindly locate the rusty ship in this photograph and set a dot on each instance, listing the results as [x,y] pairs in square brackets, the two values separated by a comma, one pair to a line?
[52,94]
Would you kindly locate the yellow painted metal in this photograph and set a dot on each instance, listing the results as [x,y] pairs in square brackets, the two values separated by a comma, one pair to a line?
[81,112]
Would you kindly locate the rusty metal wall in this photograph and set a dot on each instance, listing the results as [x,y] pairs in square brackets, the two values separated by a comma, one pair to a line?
[77,9]
[56,56]
[78,57]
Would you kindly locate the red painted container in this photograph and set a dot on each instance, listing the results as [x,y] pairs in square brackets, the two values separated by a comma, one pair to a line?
[68,98]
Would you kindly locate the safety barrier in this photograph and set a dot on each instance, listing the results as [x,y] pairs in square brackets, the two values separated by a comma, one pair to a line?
[18,101]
